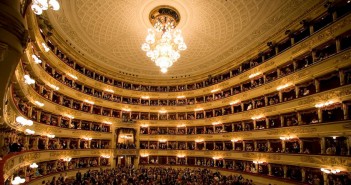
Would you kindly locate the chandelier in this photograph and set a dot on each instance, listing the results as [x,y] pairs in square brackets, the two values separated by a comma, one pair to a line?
[39,5]
[163,42]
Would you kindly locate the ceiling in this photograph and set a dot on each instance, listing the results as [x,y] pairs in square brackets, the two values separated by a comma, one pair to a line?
[109,33]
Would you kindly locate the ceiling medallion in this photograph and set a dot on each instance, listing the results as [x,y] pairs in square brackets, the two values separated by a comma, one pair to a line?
[164,42]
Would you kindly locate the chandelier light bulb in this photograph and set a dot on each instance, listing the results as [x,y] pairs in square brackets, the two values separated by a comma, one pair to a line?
[36,9]
[39,5]
[18,180]
[145,47]
[164,70]
[54,4]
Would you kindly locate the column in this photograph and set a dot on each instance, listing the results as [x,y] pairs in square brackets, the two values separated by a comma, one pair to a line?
[267,123]
[322,145]
[320,115]
[301,146]
[299,118]
[285,168]
[316,83]
[243,146]
[282,120]
[325,179]
[254,124]
[280,94]
[345,109]
[255,147]
[348,144]
[283,145]
[297,91]
[337,43]
[342,77]
[303,174]
[269,169]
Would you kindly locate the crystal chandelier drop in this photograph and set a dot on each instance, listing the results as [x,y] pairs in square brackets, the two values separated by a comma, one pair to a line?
[39,5]
[164,42]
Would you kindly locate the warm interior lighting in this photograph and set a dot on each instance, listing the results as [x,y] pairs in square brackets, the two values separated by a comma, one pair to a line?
[126,109]
[327,171]
[46,48]
[29,131]
[180,156]
[105,156]
[50,136]
[215,90]
[258,162]
[283,86]
[180,97]
[198,109]
[145,97]
[54,87]
[234,102]
[216,157]
[144,155]
[18,180]
[257,117]
[327,103]
[28,80]
[162,111]
[144,125]
[199,140]
[216,123]
[33,165]
[286,137]
[90,102]
[69,116]
[334,137]
[73,76]
[39,5]
[39,103]
[110,90]
[163,42]
[107,122]
[88,138]
[67,159]
[254,75]
[234,140]
[182,125]
[23,121]
[36,59]
[162,140]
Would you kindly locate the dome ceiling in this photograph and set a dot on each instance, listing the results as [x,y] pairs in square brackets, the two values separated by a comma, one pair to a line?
[109,33]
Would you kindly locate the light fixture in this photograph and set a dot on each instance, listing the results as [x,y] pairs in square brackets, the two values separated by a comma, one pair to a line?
[199,140]
[286,138]
[110,90]
[234,140]
[180,156]
[33,165]
[145,97]
[73,76]
[46,48]
[50,136]
[126,109]
[18,180]
[88,138]
[234,102]
[283,86]
[162,140]
[54,87]
[107,122]
[67,159]
[327,103]
[180,97]
[39,5]
[105,156]
[215,90]
[216,123]
[144,125]
[36,59]
[69,116]
[198,109]
[334,137]
[163,43]
[144,155]
[258,162]
[327,171]
[28,80]
[29,131]
[23,121]
[162,111]
[90,102]
[257,117]
[182,125]
[216,157]
[254,75]
[39,103]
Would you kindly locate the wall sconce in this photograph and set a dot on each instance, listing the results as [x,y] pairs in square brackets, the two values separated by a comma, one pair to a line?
[180,97]
[69,116]
[216,123]
[144,126]
[54,87]
[144,155]
[110,90]
[88,138]
[234,140]
[23,121]
[67,159]
[18,180]
[73,76]
[33,165]
[106,156]
[145,97]
[29,131]
[180,156]
[257,117]
[50,136]
[198,109]
[162,140]
[333,171]
[39,103]
[162,111]
[216,157]
[90,102]
[283,86]
[28,80]
[320,105]
[182,125]
[215,90]
[199,140]
[258,162]
[107,122]
[286,138]
[46,48]
[126,109]
[255,74]
[235,102]
[36,59]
